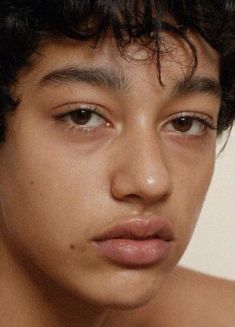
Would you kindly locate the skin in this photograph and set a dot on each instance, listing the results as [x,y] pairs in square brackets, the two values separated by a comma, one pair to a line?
[173,307]
[61,188]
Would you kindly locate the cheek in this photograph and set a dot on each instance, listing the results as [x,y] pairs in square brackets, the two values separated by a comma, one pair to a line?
[53,220]
[191,185]
[49,201]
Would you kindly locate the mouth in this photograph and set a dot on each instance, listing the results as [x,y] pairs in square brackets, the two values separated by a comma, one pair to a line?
[136,242]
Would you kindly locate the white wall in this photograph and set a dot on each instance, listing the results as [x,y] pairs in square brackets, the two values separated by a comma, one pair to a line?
[212,248]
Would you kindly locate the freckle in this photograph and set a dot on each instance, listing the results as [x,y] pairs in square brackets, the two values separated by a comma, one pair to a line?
[72,247]
[32,183]
[40,194]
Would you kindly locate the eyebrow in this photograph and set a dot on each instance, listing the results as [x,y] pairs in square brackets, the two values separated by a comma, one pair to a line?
[115,79]
[198,84]
[100,77]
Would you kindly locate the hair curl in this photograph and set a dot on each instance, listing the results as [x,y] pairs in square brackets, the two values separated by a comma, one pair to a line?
[24,23]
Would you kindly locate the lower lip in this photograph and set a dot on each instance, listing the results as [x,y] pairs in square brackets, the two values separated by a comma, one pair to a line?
[134,252]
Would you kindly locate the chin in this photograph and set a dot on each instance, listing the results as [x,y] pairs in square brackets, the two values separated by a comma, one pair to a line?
[132,302]
[127,290]
[122,301]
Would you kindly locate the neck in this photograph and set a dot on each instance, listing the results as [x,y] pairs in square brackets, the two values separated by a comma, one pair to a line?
[30,298]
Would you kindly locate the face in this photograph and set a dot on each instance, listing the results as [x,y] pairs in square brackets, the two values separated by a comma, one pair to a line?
[96,142]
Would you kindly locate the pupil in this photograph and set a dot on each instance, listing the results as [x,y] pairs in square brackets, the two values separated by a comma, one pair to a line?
[183,124]
[81,117]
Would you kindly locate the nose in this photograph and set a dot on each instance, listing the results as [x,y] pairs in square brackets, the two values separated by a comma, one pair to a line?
[141,169]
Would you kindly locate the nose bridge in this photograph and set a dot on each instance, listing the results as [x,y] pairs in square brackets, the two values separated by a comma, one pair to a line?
[141,166]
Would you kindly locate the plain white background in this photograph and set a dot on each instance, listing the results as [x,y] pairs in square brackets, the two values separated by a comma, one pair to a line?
[212,248]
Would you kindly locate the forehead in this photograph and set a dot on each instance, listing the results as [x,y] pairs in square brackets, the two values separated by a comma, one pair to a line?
[176,59]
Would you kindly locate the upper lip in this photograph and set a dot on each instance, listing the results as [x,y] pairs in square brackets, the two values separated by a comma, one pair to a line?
[140,228]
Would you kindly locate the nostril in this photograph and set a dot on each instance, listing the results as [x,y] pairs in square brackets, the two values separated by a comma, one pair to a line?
[133,197]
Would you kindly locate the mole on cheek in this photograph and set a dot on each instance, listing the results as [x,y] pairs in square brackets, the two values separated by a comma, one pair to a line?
[72,247]
[32,183]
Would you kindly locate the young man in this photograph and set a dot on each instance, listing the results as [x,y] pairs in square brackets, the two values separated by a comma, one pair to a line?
[110,111]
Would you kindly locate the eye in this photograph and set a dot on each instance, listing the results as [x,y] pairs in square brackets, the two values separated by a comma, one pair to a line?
[189,125]
[84,119]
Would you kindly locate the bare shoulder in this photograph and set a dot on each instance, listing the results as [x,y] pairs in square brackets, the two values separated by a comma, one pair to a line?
[198,299]
[206,283]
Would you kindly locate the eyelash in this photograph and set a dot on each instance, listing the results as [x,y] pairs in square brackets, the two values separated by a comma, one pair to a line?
[72,126]
[205,121]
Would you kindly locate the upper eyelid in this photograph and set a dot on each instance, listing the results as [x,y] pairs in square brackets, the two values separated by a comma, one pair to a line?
[195,115]
[89,107]
[93,109]
[190,114]
[71,106]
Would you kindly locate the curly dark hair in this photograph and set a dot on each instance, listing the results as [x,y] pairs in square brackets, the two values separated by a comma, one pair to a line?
[25,23]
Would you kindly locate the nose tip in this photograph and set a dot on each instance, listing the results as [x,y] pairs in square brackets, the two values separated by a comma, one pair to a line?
[146,179]
[145,189]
